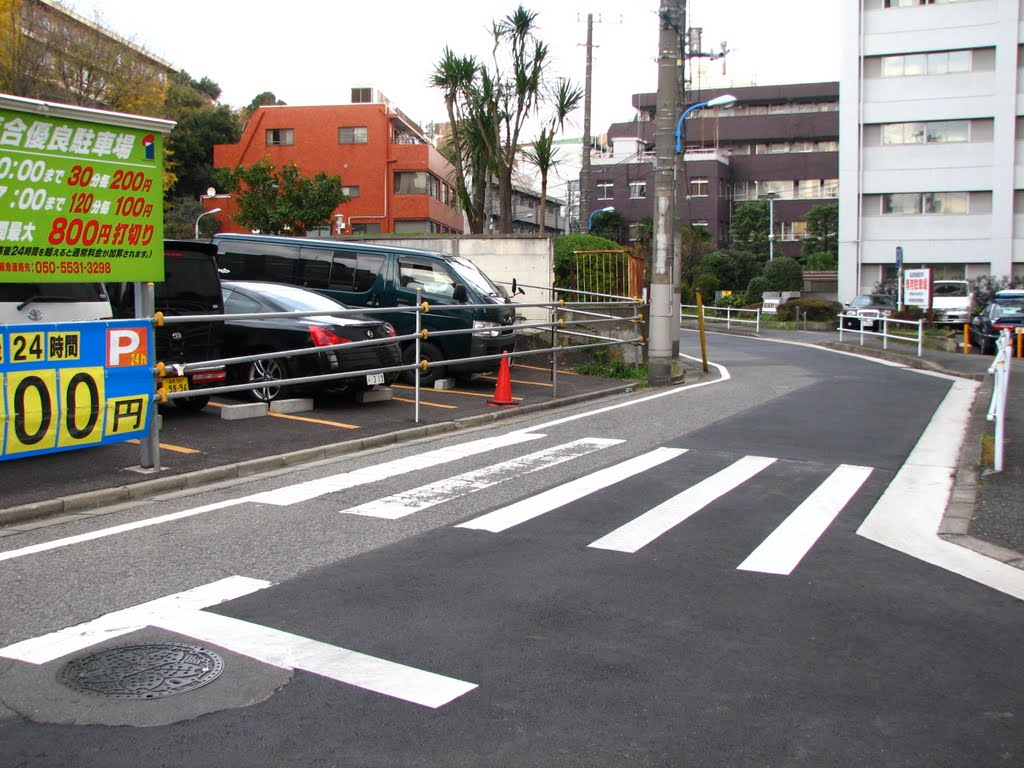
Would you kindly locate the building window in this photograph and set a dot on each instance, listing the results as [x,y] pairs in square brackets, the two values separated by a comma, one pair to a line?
[280,137]
[914,3]
[415,183]
[937,132]
[830,188]
[808,189]
[793,230]
[353,135]
[781,189]
[350,192]
[362,95]
[916,203]
[605,190]
[698,187]
[366,228]
[938,63]
[637,190]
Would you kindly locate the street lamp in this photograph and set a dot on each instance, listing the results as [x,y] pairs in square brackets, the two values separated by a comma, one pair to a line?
[771,225]
[204,213]
[725,100]
[590,221]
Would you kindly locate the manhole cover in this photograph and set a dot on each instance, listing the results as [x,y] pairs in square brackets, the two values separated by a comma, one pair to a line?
[143,671]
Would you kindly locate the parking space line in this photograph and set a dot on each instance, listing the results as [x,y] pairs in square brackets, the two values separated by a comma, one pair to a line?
[546,370]
[456,392]
[424,402]
[307,419]
[169,447]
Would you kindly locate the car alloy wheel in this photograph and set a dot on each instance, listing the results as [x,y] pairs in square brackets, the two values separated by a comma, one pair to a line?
[266,371]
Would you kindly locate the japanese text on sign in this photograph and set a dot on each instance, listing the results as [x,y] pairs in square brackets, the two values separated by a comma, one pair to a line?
[74,385]
[80,201]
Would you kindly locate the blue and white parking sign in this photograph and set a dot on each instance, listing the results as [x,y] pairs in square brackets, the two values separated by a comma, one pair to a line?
[74,385]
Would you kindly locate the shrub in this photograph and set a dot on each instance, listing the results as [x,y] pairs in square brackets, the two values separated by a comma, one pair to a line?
[816,310]
[706,284]
[566,245]
[784,274]
[756,287]
[732,300]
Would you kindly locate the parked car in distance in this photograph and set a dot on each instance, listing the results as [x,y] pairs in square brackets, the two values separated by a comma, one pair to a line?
[244,337]
[867,311]
[24,303]
[191,286]
[997,315]
[952,302]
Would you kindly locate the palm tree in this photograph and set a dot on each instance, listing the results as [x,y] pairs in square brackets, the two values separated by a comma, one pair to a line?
[544,153]
[456,76]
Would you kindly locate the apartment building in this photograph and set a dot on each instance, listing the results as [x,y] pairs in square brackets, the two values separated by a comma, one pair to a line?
[395,179]
[930,156]
[777,142]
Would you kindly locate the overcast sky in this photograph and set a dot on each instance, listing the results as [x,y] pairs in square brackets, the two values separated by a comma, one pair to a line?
[313,51]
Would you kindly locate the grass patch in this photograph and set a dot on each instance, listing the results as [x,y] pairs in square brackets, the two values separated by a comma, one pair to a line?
[601,365]
[988,451]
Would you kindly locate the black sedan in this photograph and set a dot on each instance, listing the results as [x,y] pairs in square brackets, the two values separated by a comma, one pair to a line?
[243,338]
[866,312]
[999,314]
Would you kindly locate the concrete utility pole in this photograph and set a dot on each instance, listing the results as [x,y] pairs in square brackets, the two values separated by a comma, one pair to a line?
[659,350]
[680,186]
[585,164]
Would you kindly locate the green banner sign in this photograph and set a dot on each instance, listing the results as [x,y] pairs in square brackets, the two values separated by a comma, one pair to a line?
[81,194]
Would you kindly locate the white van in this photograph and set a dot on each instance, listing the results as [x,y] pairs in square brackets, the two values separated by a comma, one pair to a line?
[26,303]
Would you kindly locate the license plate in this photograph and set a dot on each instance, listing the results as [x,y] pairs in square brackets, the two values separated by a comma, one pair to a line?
[176,384]
[374,378]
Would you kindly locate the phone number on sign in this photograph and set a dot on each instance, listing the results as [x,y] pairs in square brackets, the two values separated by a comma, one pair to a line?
[71,267]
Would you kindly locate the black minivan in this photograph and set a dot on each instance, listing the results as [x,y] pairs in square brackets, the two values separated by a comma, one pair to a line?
[379,275]
[191,286]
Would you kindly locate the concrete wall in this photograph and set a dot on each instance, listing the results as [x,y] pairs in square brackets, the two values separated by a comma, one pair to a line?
[528,259]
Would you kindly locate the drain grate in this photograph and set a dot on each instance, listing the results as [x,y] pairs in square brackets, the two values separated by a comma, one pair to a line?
[142,671]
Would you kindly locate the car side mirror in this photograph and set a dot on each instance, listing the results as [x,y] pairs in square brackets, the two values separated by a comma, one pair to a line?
[459,293]
[516,290]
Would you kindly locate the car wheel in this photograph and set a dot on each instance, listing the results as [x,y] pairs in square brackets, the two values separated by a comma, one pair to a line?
[191,404]
[431,354]
[270,370]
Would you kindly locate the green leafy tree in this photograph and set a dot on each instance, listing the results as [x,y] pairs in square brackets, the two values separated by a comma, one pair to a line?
[611,225]
[277,201]
[732,268]
[500,98]
[264,99]
[750,228]
[565,248]
[784,274]
[696,244]
[822,232]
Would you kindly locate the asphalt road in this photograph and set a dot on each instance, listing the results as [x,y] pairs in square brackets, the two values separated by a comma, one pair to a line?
[601,585]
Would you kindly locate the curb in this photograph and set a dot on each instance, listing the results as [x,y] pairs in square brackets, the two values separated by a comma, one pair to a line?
[80,504]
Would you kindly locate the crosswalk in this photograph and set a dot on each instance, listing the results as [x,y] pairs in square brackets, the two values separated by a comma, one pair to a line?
[780,553]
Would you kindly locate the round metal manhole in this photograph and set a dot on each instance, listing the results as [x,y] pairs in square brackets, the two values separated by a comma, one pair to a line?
[143,671]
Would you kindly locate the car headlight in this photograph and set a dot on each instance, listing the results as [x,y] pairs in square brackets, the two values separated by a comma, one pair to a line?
[486,328]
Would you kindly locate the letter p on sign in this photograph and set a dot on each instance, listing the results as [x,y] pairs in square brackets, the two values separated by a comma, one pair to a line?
[126,347]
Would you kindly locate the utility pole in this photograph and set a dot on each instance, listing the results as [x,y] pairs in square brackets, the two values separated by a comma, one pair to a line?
[680,187]
[585,164]
[659,354]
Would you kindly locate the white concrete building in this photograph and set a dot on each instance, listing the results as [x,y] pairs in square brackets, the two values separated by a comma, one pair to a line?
[931,151]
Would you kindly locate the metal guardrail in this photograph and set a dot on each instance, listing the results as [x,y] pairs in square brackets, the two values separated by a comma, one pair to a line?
[885,334]
[573,320]
[733,315]
[1000,369]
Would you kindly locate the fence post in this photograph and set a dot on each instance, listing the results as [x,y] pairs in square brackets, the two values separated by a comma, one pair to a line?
[149,449]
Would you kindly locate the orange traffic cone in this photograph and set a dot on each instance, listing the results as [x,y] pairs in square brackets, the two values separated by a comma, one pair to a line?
[503,389]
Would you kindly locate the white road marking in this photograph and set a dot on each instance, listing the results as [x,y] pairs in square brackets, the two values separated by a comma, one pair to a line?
[40,650]
[783,550]
[535,506]
[180,613]
[907,516]
[113,531]
[288,651]
[417,499]
[643,530]
[295,494]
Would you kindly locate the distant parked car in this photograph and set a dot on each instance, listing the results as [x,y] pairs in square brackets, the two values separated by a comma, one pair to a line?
[281,334]
[998,314]
[952,302]
[868,311]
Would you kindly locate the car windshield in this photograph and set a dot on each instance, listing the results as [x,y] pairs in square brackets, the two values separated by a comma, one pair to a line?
[1009,312]
[295,299]
[469,272]
[958,290]
[873,301]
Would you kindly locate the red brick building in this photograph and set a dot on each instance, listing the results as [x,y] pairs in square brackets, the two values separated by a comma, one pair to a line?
[395,179]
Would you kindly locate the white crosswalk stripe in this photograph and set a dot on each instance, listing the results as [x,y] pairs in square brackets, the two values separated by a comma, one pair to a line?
[641,531]
[417,499]
[535,506]
[783,550]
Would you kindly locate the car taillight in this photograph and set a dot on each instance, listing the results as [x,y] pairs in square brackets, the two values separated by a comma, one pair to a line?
[325,338]
[389,329]
[999,327]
